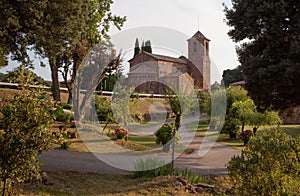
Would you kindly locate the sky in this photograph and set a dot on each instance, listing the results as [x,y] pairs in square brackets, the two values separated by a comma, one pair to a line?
[184,17]
[187,17]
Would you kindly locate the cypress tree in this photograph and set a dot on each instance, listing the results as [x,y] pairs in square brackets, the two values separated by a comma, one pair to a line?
[148,47]
[137,49]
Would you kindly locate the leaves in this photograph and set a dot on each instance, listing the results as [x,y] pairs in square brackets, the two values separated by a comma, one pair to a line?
[24,129]
[269,33]
[269,165]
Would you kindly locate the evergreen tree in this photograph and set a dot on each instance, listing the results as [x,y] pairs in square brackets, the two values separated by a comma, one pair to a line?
[148,47]
[232,75]
[143,46]
[270,49]
[137,49]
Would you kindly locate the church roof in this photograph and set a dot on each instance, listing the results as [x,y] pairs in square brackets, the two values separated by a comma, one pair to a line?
[163,58]
[198,35]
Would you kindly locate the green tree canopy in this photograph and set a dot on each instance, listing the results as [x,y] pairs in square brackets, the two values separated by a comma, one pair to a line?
[232,75]
[270,49]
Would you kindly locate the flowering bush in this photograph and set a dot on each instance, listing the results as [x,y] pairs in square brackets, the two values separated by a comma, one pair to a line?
[245,135]
[121,133]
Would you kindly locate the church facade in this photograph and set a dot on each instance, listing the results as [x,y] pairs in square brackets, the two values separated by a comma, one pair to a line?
[151,73]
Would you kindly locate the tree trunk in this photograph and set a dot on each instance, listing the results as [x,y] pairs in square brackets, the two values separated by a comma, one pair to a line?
[243,126]
[4,187]
[177,125]
[55,82]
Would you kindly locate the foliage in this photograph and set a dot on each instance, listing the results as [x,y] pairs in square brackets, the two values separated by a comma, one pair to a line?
[108,82]
[148,47]
[151,167]
[101,59]
[270,49]
[66,106]
[103,109]
[137,49]
[204,102]
[215,87]
[11,76]
[24,133]
[61,31]
[232,75]
[121,133]
[235,93]
[191,177]
[62,116]
[120,104]
[269,165]
[245,135]
[164,134]
[231,127]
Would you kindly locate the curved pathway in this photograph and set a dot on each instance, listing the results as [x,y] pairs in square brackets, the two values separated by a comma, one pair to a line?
[212,163]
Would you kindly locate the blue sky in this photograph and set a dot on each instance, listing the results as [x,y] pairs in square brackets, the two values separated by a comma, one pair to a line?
[184,16]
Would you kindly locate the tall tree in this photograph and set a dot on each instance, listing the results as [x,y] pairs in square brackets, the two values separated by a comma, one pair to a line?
[148,47]
[232,75]
[270,52]
[137,49]
[19,21]
[60,31]
[96,29]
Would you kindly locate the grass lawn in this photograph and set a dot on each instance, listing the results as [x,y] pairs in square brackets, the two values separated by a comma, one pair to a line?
[201,130]
[76,183]
[80,183]
[135,142]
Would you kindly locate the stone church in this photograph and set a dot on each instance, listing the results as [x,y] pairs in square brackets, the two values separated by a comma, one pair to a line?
[151,73]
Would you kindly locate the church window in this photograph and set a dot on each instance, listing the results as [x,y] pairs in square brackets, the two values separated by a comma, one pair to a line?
[195,46]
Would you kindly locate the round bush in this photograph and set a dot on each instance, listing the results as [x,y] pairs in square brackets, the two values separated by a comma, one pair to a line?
[269,165]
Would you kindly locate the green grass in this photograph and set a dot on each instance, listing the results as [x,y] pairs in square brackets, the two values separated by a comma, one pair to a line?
[147,141]
[201,131]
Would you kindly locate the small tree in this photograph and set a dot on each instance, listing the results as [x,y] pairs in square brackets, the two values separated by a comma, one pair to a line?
[24,133]
[269,165]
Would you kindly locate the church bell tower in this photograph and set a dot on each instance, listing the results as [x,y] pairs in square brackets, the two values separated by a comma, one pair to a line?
[198,53]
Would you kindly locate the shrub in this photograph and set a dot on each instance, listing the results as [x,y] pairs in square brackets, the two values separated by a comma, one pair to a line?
[65,144]
[245,135]
[121,133]
[24,134]
[61,116]
[231,127]
[66,106]
[164,134]
[191,177]
[151,167]
[269,165]
[144,168]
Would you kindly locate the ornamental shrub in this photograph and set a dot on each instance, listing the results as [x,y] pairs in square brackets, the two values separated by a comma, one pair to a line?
[231,127]
[269,165]
[164,134]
